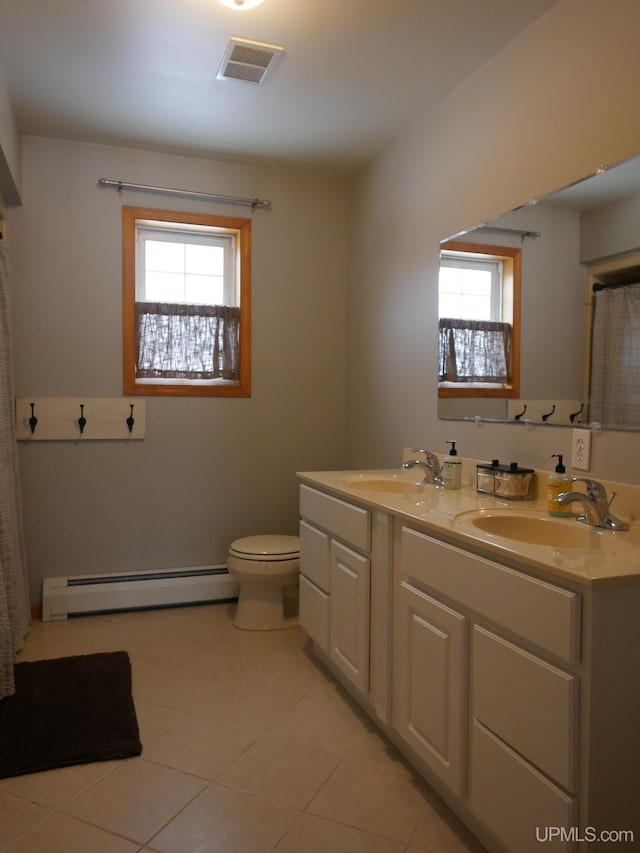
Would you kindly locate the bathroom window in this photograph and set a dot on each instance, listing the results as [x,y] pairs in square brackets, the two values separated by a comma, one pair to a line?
[186,304]
[479,320]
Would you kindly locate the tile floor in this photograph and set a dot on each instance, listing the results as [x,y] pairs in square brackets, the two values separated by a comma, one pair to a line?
[249,746]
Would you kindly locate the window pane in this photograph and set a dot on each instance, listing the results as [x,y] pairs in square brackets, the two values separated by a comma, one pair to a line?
[204,289]
[166,257]
[205,260]
[450,305]
[476,282]
[476,308]
[450,279]
[466,289]
[164,287]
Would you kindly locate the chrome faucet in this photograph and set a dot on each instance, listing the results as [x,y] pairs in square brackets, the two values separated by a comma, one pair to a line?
[596,505]
[430,465]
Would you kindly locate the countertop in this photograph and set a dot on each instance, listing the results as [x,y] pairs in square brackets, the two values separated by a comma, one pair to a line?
[611,557]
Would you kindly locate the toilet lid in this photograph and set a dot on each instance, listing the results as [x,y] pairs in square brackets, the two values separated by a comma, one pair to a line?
[269,546]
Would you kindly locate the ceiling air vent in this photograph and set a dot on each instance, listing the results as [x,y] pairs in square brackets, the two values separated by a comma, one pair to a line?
[248,61]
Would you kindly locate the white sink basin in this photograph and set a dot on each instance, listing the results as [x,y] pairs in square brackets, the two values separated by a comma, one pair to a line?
[532,528]
[392,484]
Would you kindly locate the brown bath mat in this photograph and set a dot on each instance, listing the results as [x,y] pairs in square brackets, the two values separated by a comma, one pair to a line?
[65,711]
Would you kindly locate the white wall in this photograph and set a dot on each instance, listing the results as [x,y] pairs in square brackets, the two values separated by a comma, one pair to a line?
[210,469]
[555,104]
[610,230]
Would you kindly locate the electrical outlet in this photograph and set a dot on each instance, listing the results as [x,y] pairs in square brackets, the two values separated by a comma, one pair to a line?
[581,449]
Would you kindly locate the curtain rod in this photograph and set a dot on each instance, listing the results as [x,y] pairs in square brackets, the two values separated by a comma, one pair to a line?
[597,287]
[229,199]
[494,229]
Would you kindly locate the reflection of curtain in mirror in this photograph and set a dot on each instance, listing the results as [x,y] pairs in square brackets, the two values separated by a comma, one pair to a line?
[615,357]
[474,351]
[14,593]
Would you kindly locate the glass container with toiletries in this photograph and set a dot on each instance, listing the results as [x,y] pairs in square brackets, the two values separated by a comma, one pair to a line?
[510,482]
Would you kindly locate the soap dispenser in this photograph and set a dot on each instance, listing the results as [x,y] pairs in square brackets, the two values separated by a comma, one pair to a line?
[452,469]
[558,482]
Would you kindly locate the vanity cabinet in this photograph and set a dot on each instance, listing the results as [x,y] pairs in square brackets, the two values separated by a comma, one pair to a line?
[481,694]
[335,581]
[511,686]
[345,591]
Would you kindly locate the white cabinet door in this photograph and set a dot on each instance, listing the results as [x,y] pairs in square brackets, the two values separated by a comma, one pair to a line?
[431,671]
[349,634]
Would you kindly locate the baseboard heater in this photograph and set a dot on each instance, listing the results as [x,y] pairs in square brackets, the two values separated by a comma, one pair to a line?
[84,594]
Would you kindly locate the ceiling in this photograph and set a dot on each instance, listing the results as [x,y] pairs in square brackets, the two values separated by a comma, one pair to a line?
[142,73]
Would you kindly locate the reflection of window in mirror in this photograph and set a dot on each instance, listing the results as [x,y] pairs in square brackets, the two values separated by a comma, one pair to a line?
[479,320]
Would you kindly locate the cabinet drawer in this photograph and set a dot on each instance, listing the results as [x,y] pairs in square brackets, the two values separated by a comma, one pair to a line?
[546,615]
[315,613]
[527,703]
[315,555]
[513,800]
[351,524]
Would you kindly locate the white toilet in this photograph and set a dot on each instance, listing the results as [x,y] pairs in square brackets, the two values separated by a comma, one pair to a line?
[267,570]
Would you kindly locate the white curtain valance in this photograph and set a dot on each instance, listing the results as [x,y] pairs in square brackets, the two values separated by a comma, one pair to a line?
[183,341]
[474,351]
[615,357]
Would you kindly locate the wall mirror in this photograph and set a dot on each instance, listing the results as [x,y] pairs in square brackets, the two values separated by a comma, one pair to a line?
[573,242]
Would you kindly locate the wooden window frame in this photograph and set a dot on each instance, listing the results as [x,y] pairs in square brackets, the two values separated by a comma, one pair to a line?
[512,282]
[241,228]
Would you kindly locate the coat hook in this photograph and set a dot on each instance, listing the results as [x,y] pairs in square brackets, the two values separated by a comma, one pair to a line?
[517,417]
[546,417]
[574,415]
[130,419]
[33,421]
[82,421]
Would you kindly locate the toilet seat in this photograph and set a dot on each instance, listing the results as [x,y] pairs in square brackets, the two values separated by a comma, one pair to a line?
[267,548]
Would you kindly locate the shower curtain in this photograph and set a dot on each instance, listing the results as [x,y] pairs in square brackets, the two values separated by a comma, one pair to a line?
[615,357]
[14,591]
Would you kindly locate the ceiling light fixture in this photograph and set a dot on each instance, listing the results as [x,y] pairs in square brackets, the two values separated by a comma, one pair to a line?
[240,4]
